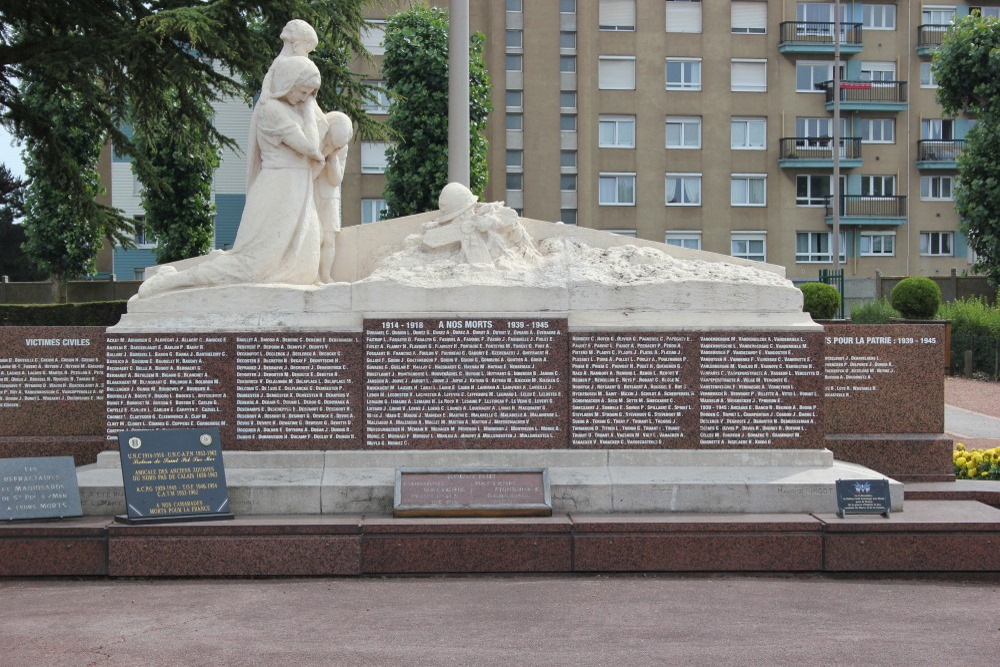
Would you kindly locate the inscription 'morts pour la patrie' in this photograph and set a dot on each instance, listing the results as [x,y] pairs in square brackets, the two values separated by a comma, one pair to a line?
[489,383]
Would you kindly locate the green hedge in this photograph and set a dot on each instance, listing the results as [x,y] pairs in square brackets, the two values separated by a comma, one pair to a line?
[975,325]
[94,314]
[916,297]
[820,300]
[874,312]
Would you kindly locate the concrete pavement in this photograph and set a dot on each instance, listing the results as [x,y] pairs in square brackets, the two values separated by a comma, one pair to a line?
[621,620]
[967,424]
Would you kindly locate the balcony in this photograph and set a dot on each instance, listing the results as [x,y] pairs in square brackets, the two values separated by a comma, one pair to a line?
[929,37]
[817,38]
[938,153]
[867,95]
[869,210]
[817,152]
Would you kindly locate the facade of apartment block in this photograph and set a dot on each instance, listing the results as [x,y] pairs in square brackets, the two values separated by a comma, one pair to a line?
[701,124]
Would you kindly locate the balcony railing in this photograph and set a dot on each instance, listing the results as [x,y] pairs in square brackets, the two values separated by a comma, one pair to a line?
[939,150]
[874,92]
[811,32]
[931,35]
[867,206]
[818,148]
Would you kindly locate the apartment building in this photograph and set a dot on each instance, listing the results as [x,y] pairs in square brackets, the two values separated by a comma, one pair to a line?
[708,125]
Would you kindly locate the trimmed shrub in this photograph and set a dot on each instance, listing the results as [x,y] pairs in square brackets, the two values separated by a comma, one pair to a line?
[916,298]
[975,326]
[93,314]
[820,300]
[874,312]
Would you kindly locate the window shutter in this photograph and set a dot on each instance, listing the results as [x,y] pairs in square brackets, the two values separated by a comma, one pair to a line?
[616,74]
[373,157]
[751,15]
[683,16]
[617,14]
[749,76]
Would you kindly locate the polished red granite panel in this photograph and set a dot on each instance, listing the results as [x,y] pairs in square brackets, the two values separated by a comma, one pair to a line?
[697,543]
[416,546]
[905,458]
[246,546]
[885,378]
[927,536]
[69,547]
[495,383]
[84,449]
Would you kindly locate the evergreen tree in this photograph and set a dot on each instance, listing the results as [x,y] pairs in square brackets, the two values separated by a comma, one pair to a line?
[415,67]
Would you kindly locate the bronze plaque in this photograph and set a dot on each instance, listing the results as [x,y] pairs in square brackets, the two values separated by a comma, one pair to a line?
[488,492]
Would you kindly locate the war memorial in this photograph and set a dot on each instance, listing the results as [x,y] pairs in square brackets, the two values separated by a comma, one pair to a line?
[466,390]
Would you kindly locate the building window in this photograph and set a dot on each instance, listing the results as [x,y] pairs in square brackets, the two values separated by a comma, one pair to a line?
[515,121]
[985,11]
[616,190]
[877,130]
[878,17]
[373,37]
[616,73]
[877,244]
[809,74]
[821,127]
[515,62]
[630,233]
[514,99]
[683,16]
[617,15]
[514,5]
[567,216]
[936,244]
[748,133]
[683,73]
[373,157]
[567,40]
[748,190]
[567,64]
[878,186]
[934,15]
[514,39]
[878,71]
[937,188]
[749,18]
[815,247]
[515,158]
[567,122]
[748,76]
[689,240]
[567,6]
[817,12]
[927,79]
[683,132]
[376,101]
[616,132]
[567,182]
[749,245]
[567,159]
[371,210]
[515,181]
[143,236]
[814,189]
[567,99]
[683,190]
[938,129]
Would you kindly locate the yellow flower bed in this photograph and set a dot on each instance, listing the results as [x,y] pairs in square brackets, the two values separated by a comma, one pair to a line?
[976,463]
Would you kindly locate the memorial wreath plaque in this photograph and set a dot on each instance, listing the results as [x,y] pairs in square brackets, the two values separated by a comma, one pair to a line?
[863,496]
[39,488]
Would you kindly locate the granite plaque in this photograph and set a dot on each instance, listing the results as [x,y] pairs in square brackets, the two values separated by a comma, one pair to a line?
[873,371]
[51,381]
[465,384]
[486,492]
[863,496]
[39,488]
[174,475]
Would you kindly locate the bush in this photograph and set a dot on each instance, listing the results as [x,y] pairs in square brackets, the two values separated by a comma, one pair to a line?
[975,325]
[878,311]
[93,314]
[820,300]
[916,298]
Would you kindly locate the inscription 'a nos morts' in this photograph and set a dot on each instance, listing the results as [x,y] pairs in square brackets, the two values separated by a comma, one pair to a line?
[463,383]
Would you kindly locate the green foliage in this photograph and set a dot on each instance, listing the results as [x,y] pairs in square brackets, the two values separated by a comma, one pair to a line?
[878,311]
[966,66]
[916,298]
[415,67]
[13,262]
[177,193]
[820,300]
[63,226]
[93,314]
[975,326]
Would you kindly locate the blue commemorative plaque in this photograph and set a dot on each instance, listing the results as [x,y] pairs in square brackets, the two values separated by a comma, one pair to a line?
[174,475]
[863,496]
[39,488]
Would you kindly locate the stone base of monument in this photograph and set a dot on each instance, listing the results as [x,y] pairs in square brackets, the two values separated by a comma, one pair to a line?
[591,481]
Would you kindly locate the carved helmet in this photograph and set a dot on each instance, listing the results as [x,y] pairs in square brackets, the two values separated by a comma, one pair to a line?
[455,200]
